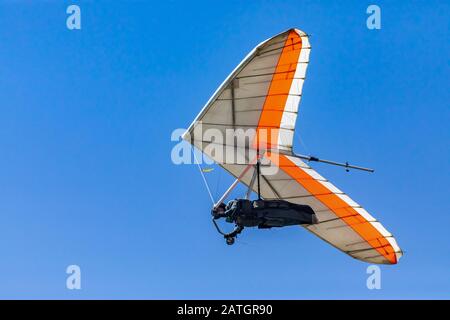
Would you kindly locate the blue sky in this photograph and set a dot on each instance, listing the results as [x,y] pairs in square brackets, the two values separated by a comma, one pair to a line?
[85,171]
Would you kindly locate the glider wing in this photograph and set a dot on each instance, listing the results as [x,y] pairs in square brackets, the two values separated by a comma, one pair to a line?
[263,93]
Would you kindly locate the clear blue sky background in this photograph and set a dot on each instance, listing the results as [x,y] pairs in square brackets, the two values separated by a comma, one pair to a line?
[85,171]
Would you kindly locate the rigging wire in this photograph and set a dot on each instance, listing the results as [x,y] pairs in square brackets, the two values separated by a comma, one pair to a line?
[203,176]
[218,182]
[302,143]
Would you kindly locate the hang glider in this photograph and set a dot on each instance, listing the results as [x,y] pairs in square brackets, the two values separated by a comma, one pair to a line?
[259,100]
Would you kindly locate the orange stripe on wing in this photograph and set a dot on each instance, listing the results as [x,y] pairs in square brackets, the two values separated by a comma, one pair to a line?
[280,85]
[347,214]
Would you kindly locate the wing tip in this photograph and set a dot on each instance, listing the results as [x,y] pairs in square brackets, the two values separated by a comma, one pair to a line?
[301,33]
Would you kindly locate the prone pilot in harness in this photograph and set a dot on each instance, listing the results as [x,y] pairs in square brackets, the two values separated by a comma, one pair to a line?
[263,214]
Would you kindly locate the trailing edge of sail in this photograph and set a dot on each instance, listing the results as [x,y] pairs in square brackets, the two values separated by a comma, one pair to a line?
[263,93]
